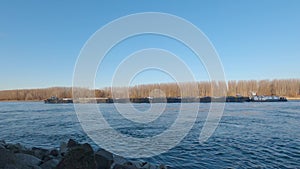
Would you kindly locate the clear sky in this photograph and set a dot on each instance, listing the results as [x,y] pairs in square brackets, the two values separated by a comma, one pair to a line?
[41,40]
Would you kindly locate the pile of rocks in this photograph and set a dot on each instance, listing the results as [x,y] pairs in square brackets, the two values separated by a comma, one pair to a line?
[71,155]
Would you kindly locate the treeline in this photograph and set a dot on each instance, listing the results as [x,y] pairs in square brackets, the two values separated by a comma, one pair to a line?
[165,90]
[282,87]
[35,94]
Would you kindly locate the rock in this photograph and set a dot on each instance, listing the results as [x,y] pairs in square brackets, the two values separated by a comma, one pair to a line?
[78,157]
[72,143]
[54,152]
[7,158]
[139,165]
[104,159]
[130,165]
[63,148]
[15,166]
[119,166]
[119,159]
[143,165]
[162,166]
[15,148]
[50,164]
[39,152]
[71,155]
[35,167]
[28,160]
[2,146]
[2,143]
[47,158]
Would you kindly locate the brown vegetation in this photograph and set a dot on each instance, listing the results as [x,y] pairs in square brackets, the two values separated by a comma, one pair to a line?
[35,94]
[286,87]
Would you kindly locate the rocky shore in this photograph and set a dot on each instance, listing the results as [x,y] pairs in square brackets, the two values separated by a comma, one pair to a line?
[71,155]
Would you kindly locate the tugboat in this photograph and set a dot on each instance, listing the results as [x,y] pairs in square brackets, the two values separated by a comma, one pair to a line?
[255,98]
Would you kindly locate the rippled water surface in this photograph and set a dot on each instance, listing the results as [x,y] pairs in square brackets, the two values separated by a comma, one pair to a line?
[249,135]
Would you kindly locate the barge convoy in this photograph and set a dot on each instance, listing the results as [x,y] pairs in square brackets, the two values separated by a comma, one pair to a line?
[240,99]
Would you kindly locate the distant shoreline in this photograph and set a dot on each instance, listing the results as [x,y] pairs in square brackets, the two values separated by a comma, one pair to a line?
[293,98]
[288,88]
[21,100]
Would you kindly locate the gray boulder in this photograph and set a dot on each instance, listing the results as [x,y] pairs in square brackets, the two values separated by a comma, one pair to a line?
[7,158]
[28,160]
[72,143]
[119,160]
[2,143]
[50,164]
[141,165]
[125,166]
[15,148]
[162,166]
[78,157]
[104,159]
[54,152]
[39,152]
[138,165]
[71,155]
[63,148]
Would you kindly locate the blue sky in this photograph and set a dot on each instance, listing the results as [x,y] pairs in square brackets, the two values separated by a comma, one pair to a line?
[41,40]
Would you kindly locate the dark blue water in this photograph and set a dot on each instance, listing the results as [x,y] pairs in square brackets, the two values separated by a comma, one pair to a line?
[249,135]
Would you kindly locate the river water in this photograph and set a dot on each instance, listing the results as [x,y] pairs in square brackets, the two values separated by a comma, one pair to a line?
[249,135]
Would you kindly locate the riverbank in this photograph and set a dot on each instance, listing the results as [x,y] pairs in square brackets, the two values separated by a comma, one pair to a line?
[293,98]
[70,155]
[21,100]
